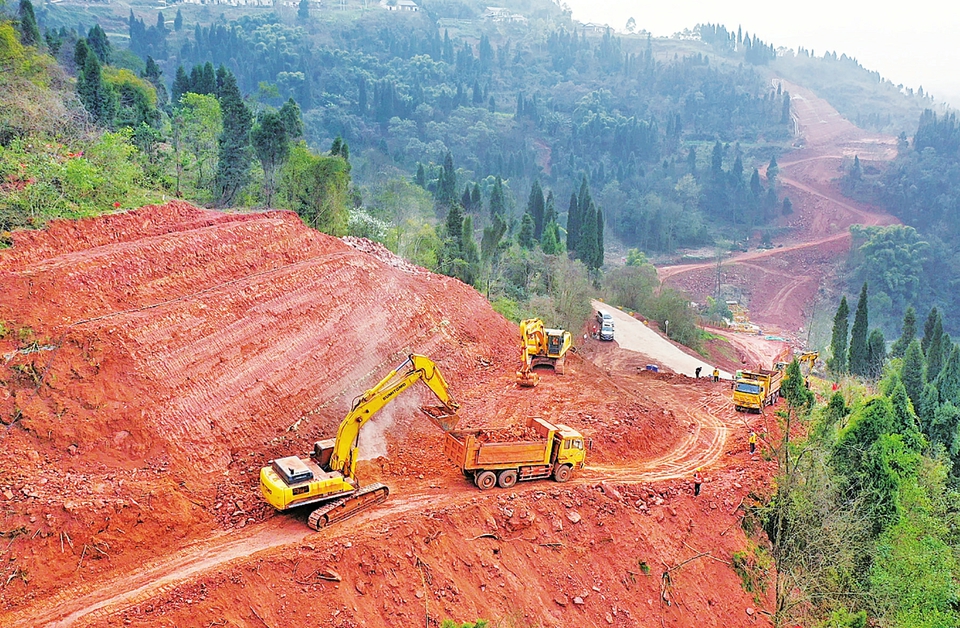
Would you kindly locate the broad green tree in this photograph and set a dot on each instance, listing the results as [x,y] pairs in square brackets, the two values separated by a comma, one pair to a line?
[317,188]
[272,147]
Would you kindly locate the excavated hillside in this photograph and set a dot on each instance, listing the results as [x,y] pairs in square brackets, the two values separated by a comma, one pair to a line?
[154,360]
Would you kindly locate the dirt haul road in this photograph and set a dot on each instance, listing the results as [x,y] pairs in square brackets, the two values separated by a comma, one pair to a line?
[780,284]
[632,335]
[155,360]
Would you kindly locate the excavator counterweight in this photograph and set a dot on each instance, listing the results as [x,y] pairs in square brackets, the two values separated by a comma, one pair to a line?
[541,346]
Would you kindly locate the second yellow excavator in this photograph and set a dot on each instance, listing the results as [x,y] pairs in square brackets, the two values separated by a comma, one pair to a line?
[328,477]
[539,345]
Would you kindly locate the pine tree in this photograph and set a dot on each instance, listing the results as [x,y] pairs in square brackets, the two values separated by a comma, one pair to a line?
[908,333]
[787,206]
[361,95]
[153,73]
[29,31]
[536,208]
[838,343]
[859,353]
[421,176]
[208,80]
[178,22]
[876,354]
[466,200]
[716,161]
[911,372]
[233,167]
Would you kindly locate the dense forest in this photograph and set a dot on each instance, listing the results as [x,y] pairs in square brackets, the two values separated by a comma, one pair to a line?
[916,263]
[484,153]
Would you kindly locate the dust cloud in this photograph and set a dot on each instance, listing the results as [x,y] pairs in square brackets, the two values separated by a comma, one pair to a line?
[373,435]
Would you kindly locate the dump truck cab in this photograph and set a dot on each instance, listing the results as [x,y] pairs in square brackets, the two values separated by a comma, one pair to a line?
[569,447]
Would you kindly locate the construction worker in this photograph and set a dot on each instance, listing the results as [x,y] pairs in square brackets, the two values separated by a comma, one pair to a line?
[699,368]
[697,481]
[716,373]
[753,442]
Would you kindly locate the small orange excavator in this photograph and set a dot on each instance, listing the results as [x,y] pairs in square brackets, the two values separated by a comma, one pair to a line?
[539,345]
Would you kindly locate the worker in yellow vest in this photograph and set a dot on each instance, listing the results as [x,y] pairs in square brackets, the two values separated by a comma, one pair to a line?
[753,442]
[716,374]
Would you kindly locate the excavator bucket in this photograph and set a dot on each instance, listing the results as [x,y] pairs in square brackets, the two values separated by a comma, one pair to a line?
[527,379]
[443,417]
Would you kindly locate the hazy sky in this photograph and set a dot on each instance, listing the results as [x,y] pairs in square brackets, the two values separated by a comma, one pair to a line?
[917,44]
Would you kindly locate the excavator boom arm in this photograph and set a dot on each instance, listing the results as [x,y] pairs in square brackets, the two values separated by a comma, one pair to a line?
[414,368]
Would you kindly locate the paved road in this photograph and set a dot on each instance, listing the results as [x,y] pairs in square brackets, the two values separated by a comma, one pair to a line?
[633,335]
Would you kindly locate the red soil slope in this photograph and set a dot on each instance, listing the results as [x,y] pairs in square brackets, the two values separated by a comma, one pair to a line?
[781,283]
[154,360]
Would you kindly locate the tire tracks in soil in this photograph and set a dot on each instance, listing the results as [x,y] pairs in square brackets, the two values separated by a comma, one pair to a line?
[710,422]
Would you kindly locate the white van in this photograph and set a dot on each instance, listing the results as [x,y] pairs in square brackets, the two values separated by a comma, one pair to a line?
[605,325]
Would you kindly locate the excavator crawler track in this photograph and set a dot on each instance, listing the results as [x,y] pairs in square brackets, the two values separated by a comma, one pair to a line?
[346,507]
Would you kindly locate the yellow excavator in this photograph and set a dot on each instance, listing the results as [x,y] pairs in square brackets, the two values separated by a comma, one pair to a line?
[328,477]
[539,345]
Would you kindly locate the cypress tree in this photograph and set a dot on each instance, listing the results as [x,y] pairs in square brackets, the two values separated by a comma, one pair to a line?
[599,258]
[716,161]
[911,372]
[908,333]
[550,209]
[466,200]
[98,98]
[498,204]
[573,223]
[447,185]
[859,353]
[292,120]
[208,80]
[99,43]
[838,343]
[928,327]
[948,381]
[178,21]
[876,354]
[587,248]
[303,11]
[455,226]
[525,237]
[29,31]
[80,50]
[939,343]
[476,198]
[550,244]
[233,167]
[536,208]
[421,177]
[471,252]
[181,84]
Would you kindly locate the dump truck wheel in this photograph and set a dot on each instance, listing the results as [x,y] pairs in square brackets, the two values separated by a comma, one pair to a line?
[507,478]
[486,480]
[562,473]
